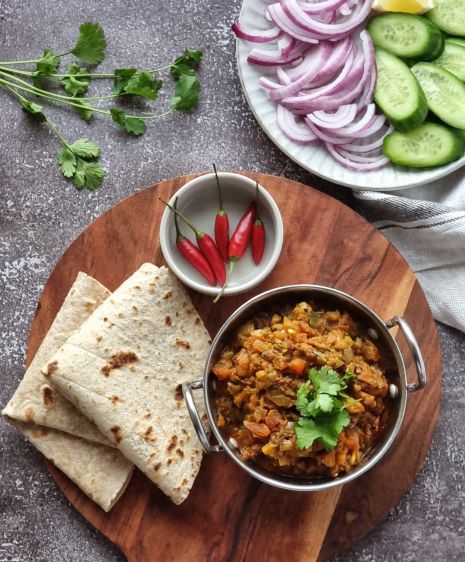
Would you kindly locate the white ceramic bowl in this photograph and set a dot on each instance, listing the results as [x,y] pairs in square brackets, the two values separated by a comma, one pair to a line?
[198,201]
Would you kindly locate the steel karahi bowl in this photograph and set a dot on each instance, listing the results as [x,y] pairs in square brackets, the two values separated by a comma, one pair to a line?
[378,330]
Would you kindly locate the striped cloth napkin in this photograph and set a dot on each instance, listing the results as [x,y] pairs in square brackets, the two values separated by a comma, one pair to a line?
[427,225]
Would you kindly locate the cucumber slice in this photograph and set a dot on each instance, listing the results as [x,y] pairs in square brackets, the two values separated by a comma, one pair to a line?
[449,15]
[456,41]
[397,93]
[428,145]
[444,92]
[406,36]
[453,59]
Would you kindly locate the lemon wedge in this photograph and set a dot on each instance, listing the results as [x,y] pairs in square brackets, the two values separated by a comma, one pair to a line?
[406,6]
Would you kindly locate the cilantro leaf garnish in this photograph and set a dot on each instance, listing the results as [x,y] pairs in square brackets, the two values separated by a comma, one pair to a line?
[325,429]
[77,83]
[186,90]
[33,109]
[74,163]
[322,412]
[88,174]
[85,111]
[131,81]
[133,125]
[47,64]
[91,43]
[187,63]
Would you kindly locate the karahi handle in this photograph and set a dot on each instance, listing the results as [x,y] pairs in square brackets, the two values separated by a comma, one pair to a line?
[187,389]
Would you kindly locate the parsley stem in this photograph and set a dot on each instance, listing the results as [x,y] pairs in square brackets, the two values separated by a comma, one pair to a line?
[16,71]
[3,84]
[19,62]
[56,132]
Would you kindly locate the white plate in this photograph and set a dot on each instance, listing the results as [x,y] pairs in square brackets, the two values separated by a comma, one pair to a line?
[313,157]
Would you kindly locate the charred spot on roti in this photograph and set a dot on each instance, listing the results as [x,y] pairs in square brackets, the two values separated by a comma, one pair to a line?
[147,415]
[181,365]
[178,395]
[168,320]
[169,461]
[197,320]
[157,466]
[118,360]
[137,287]
[99,339]
[120,315]
[184,482]
[41,432]
[182,343]
[179,453]
[184,430]
[168,295]
[29,415]
[51,368]
[116,430]
[172,443]
[105,319]
[134,307]
[147,435]
[209,341]
[115,399]
[47,396]
[89,305]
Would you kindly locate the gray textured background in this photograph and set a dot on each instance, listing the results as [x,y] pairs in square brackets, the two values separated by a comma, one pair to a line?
[41,213]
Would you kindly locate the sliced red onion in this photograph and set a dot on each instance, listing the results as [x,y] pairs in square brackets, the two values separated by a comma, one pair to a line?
[282,76]
[282,21]
[326,136]
[265,36]
[297,131]
[372,163]
[285,44]
[354,157]
[320,54]
[267,84]
[321,7]
[343,116]
[369,147]
[361,124]
[274,58]
[306,23]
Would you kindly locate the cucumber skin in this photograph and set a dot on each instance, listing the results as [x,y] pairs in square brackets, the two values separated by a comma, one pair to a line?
[453,78]
[414,119]
[431,53]
[435,16]
[400,157]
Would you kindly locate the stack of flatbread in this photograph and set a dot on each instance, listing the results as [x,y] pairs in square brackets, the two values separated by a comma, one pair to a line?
[103,392]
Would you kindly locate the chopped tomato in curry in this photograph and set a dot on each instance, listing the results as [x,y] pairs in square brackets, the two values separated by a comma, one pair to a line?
[260,371]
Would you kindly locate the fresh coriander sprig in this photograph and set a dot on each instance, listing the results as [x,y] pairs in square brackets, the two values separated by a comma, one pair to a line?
[77,159]
[319,401]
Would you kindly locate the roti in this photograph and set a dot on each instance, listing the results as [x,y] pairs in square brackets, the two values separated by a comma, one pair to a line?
[124,370]
[53,425]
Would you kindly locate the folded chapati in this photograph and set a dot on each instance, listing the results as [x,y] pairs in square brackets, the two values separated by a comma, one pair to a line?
[101,472]
[53,425]
[37,401]
[124,368]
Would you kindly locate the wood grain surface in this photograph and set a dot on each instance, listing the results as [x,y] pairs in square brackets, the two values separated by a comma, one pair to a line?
[230,517]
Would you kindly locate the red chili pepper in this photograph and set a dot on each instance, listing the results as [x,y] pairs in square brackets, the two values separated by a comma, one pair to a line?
[221,224]
[241,236]
[192,254]
[258,237]
[207,247]
[239,242]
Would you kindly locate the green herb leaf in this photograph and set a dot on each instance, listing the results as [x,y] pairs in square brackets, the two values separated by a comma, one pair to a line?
[67,161]
[321,403]
[187,90]
[33,109]
[91,43]
[301,402]
[325,380]
[88,175]
[187,63]
[78,83]
[85,149]
[130,81]
[133,125]
[326,429]
[85,111]
[47,64]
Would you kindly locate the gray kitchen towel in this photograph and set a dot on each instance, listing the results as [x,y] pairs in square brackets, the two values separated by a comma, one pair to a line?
[427,225]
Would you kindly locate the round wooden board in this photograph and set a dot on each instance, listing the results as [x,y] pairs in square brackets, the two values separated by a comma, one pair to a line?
[229,516]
